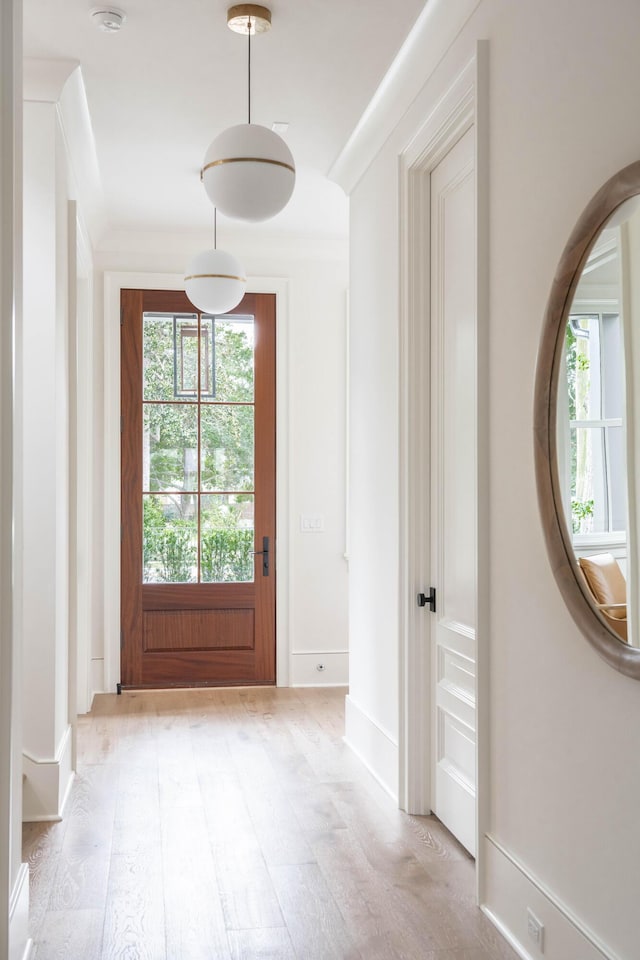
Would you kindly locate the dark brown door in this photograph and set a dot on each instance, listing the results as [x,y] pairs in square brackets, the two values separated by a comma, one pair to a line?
[198,492]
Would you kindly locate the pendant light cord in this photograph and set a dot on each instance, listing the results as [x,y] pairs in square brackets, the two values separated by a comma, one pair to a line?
[249,74]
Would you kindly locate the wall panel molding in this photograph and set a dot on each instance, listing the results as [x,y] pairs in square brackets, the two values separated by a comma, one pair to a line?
[511,888]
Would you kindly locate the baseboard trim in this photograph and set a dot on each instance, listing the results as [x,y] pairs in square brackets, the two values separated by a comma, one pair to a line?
[511,887]
[19,942]
[305,673]
[96,680]
[373,746]
[47,783]
[506,933]
[28,950]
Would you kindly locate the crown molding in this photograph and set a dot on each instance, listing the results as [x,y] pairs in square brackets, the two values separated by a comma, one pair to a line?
[433,33]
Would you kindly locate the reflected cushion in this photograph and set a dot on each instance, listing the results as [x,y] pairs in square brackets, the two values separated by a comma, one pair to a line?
[608,586]
[605,578]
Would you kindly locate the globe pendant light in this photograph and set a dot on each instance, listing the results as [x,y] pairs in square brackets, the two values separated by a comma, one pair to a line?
[215,280]
[248,171]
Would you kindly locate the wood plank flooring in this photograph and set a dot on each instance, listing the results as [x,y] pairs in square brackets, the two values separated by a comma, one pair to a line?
[237,825]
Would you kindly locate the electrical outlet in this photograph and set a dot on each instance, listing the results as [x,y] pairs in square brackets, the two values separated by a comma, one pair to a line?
[535,929]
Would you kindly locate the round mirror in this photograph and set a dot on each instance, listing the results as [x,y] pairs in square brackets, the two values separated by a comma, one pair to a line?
[587,423]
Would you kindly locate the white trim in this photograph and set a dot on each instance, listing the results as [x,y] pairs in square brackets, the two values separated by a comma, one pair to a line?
[20,944]
[113,284]
[61,82]
[449,120]
[629,338]
[483,606]
[73,513]
[86,506]
[434,32]
[10,559]
[347,424]
[414,405]
[305,673]
[47,782]
[376,749]
[456,112]
[515,887]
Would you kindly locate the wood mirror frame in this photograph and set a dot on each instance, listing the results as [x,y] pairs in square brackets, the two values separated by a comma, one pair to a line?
[622,186]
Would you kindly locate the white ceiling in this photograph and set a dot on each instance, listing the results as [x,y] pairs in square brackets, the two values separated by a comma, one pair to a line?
[175,76]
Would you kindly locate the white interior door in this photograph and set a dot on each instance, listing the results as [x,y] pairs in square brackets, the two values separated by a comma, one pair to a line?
[454,489]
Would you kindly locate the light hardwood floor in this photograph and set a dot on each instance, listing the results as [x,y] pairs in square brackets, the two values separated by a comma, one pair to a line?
[236,825]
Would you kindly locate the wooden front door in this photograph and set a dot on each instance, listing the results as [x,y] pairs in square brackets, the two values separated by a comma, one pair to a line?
[198,492]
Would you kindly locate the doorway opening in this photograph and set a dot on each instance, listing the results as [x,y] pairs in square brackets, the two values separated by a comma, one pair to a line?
[444,489]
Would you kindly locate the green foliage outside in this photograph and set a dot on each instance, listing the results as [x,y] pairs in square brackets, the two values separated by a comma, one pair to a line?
[227,556]
[169,550]
[170,523]
[580,511]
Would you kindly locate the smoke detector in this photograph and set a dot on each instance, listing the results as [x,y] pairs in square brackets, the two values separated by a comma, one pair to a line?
[108,19]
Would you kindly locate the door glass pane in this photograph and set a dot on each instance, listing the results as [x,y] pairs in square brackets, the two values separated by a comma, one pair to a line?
[170,537]
[227,538]
[226,447]
[198,448]
[233,348]
[170,447]
[170,354]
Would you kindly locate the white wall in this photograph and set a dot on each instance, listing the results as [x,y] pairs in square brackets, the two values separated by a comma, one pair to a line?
[54,446]
[317,282]
[14,877]
[43,474]
[564,769]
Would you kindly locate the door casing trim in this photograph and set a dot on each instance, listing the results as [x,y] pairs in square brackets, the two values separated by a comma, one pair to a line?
[114,282]
[463,106]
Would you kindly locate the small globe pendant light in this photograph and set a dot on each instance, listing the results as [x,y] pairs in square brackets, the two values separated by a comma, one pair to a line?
[215,280]
[248,171]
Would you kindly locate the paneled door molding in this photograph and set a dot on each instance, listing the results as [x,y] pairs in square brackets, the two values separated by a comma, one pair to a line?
[463,107]
[114,283]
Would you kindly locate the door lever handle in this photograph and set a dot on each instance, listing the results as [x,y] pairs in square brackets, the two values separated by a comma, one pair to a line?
[429,599]
[264,553]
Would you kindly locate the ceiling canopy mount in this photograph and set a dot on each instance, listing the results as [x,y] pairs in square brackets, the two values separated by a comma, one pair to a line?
[249,18]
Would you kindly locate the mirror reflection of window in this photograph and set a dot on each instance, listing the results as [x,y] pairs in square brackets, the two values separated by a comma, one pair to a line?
[595,381]
[587,432]
[592,404]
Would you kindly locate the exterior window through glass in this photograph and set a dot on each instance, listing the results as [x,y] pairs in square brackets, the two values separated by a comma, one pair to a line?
[595,376]
[198,448]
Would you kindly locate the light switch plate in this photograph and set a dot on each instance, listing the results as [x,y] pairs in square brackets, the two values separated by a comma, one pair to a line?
[312,523]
